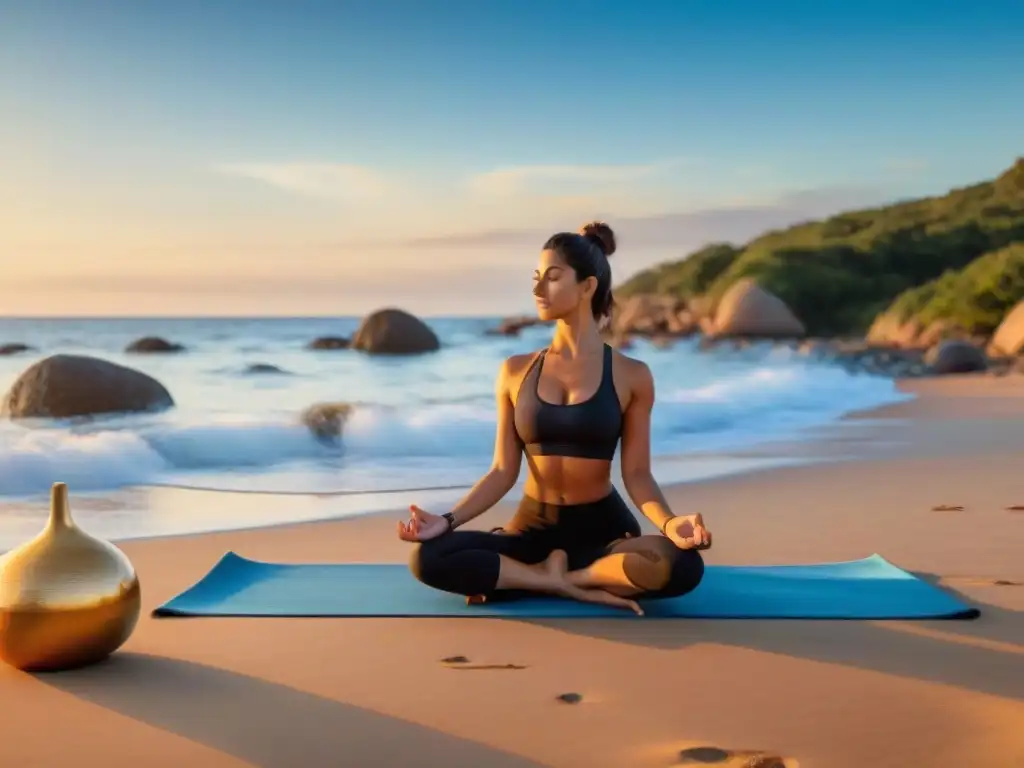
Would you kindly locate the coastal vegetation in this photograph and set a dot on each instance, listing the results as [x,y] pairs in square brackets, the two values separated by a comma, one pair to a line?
[957,258]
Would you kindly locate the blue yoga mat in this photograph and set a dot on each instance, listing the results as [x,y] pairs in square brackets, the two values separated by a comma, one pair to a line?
[871,588]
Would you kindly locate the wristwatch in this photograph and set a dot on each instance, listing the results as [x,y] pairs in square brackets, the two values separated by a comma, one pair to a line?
[451,520]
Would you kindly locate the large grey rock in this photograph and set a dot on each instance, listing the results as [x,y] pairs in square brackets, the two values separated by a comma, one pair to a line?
[653,315]
[394,332]
[1009,336]
[955,356]
[888,330]
[63,386]
[747,309]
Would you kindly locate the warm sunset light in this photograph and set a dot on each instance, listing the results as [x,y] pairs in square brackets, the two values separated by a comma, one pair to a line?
[163,161]
[512,383]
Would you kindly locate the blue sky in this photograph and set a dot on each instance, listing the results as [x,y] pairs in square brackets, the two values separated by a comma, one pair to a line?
[325,157]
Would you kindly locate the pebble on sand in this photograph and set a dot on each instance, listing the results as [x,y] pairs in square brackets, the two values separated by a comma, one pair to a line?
[704,755]
[729,758]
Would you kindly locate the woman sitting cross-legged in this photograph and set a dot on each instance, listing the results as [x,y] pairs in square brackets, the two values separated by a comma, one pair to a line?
[567,408]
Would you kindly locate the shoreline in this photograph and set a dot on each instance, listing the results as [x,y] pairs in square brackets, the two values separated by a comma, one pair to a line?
[842,439]
[154,498]
[149,505]
[854,435]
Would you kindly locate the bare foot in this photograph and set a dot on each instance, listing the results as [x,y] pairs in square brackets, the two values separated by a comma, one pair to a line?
[557,567]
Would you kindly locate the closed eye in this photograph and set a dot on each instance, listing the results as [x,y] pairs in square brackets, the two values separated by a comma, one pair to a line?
[551,273]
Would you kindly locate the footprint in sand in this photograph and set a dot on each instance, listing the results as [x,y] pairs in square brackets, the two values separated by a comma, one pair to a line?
[947,508]
[974,581]
[733,758]
[489,666]
[461,662]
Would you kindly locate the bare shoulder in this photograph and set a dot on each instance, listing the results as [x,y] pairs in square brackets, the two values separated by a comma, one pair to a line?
[514,368]
[634,374]
[634,371]
[517,365]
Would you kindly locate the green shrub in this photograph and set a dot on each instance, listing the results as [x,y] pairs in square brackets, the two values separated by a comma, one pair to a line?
[838,274]
[975,298]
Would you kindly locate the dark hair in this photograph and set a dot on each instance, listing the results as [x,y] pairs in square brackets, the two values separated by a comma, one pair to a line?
[587,253]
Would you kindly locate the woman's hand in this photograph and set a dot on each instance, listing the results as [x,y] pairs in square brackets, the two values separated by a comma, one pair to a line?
[688,532]
[422,525]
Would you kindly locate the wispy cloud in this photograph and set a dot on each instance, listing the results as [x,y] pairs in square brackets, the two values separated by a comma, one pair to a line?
[499,196]
[342,182]
[736,222]
[516,206]
[519,179]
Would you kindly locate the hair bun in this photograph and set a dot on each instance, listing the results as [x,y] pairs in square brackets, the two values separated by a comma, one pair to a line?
[601,235]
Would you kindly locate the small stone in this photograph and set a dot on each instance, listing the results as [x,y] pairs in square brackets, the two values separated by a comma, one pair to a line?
[455,660]
[704,755]
[570,698]
[329,343]
[263,368]
[153,344]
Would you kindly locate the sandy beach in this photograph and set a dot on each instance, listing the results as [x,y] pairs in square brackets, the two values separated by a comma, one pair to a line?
[362,692]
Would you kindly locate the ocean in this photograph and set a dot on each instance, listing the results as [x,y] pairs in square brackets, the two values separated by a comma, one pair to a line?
[419,422]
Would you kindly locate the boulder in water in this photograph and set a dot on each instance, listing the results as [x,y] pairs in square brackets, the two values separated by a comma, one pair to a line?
[394,332]
[258,368]
[327,420]
[65,386]
[329,343]
[13,349]
[150,344]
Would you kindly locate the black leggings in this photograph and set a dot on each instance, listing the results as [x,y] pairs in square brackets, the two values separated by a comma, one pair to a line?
[467,562]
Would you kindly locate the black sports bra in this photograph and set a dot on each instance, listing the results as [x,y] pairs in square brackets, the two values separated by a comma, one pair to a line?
[586,430]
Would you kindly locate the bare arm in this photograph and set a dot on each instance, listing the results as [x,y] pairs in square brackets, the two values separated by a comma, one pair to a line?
[640,484]
[505,466]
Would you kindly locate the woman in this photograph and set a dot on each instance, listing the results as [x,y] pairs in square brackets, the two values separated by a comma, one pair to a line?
[567,408]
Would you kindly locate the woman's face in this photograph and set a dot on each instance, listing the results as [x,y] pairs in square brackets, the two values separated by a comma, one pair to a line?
[556,289]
